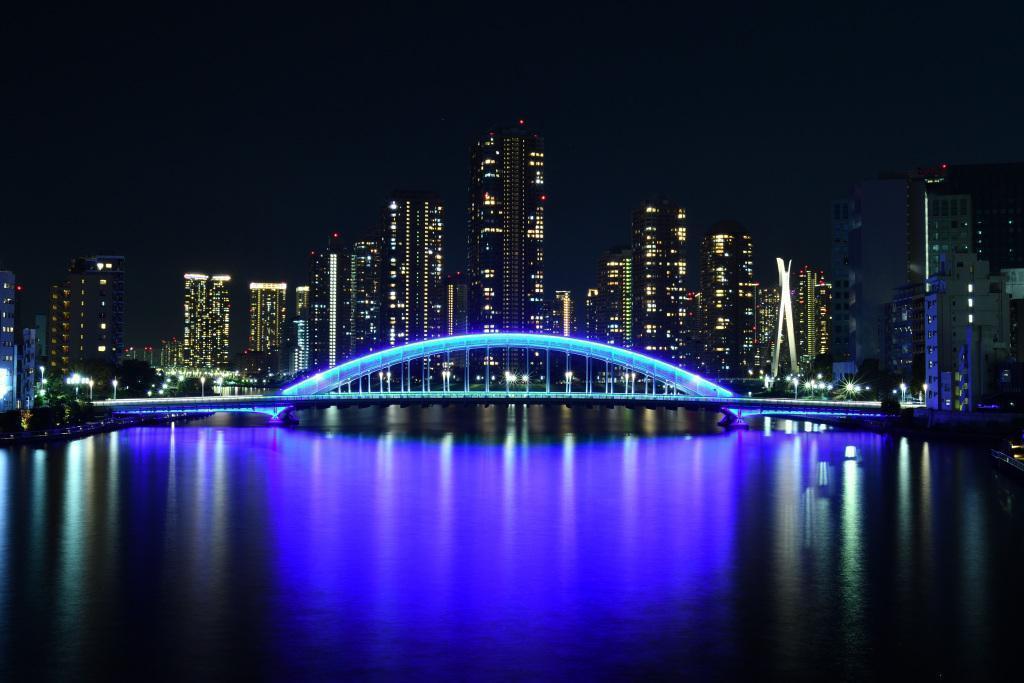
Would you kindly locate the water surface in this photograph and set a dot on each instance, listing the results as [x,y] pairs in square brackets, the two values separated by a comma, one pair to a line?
[497,544]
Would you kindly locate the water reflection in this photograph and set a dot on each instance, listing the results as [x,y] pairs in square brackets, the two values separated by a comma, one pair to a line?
[493,541]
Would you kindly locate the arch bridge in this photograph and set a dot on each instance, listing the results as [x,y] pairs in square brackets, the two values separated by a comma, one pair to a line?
[499,368]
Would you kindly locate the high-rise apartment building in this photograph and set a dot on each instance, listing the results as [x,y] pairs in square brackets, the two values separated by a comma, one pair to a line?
[728,300]
[658,278]
[996,209]
[329,332]
[948,228]
[87,314]
[506,232]
[612,314]
[205,341]
[8,342]
[412,265]
[302,301]
[842,347]
[268,311]
[812,304]
[365,295]
[456,304]
[563,319]
[769,300]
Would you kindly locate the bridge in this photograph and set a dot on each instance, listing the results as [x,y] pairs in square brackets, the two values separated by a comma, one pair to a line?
[502,369]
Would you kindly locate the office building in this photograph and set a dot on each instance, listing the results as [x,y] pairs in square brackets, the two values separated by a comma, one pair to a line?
[205,340]
[456,304]
[948,220]
[967,332]
[171,353]
[27,364]
[268,311]
[767,306]
[87,314]
[843,363]
[728,300]
[658,278]
[506,232]
[328,329]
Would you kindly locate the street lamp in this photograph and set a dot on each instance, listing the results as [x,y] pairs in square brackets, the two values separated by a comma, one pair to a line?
[202,386]
[568,381]
[113,383]
[526,382]
[445,374]
[903,392]
[90,383]
[380,378]
[508,380]
[388,375]
[924,392]
[796,385]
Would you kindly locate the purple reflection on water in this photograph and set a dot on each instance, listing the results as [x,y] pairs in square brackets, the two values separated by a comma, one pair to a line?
[530,547]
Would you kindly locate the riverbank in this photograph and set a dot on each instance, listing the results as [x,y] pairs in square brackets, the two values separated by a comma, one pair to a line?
[86,429]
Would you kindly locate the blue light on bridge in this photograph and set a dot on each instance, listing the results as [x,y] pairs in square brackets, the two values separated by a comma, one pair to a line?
[669,375]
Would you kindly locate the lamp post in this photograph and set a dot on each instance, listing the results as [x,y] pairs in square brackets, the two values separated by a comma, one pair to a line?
[445,374]
[380,380]
[568,382]
[526,383]
[508,381]
[388,375]
[903,392]
[924,392]
[90,383]
[113,383]
[796,385]
[202,386]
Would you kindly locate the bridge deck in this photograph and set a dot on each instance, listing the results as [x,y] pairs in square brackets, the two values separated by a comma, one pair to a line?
[264,402]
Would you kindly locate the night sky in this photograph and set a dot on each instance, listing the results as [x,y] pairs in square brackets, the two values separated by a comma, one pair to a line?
[227,140]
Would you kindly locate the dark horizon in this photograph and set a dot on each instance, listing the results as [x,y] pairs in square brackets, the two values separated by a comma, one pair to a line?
[216,142]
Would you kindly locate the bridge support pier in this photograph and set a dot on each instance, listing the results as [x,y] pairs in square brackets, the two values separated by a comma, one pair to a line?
[282,416]
[732,420]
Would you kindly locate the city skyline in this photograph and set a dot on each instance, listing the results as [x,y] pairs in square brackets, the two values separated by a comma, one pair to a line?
[272,159]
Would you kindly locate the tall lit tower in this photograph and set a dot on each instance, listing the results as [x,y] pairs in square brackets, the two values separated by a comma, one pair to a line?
[612,314]
[204,344]
[364,288]
[87,313]
[506,232]
[328,305]
[268,310]
[302,301]
[813,314]
[456,304]
[659,273]
[727,294]
[412,265]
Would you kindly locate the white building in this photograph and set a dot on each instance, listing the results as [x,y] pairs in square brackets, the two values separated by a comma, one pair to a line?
[967,331]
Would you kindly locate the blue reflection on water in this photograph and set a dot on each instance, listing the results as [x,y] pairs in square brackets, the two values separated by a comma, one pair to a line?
[531,547]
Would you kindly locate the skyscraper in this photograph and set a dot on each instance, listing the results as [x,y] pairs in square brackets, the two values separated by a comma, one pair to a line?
[205,342]
[562,314]
[727,300]
[268,310]
[8,343]
[812,304]
[456,297]
[842,322]
[768,302]
[329,334]
[412,265]
[302,301]
[658,278]
[365,287]
[506,232]
[612,313]
[87,314]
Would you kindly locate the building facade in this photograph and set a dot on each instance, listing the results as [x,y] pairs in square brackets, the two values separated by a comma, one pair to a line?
[843,363]
[813,308]
[328,328]
[659,278]
[8,342]
[612,305]
[206,336]
[87,314]
[456,304]
[728,300]
[563,315]
[967,332]
[365,295]
[412,267]
[506,232]
[268,311]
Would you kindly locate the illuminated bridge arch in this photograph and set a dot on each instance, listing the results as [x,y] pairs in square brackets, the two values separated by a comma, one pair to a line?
[456,349]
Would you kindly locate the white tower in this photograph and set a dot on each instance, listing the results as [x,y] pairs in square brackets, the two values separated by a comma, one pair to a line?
[785,316]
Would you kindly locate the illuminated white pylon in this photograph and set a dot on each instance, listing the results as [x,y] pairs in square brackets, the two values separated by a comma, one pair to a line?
[785,316]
